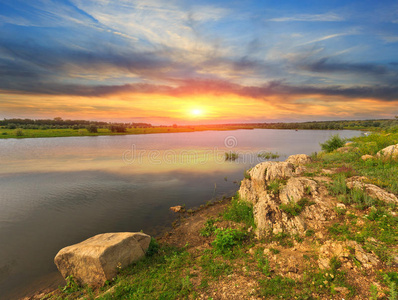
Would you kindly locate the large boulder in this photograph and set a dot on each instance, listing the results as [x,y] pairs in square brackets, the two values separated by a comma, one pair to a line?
[99,258]
[390,152]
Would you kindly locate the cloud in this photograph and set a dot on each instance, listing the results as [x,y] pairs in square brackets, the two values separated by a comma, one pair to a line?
[187,88]
[326,17]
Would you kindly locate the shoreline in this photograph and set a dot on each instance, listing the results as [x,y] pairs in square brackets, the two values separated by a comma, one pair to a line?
[58,135]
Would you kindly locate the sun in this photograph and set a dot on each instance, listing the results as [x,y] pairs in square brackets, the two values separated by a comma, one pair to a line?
[196,112]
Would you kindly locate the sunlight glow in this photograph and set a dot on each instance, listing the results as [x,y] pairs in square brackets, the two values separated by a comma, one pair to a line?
[196,112]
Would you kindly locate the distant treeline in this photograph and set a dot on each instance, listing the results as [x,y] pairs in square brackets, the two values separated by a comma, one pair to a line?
[343,124]
[59,123]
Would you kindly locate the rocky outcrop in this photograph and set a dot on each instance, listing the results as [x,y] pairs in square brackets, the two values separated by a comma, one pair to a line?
[390,152]
[274,187]
[371,189]
[253,188]
[298,159]
[98,259]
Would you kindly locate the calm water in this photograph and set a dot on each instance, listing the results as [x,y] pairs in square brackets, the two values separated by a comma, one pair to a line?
[59,191]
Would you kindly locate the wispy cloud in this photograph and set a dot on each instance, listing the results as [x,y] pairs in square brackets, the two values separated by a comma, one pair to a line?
[326,17]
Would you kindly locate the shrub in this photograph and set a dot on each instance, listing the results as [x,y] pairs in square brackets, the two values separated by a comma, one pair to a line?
[117,128]
[92,128]
[19,132]
[333,143]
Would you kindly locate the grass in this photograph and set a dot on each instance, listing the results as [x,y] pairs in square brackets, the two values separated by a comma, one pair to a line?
[275,186]
[295,208]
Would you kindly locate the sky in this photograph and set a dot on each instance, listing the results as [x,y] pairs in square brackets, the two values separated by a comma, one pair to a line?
[190,62]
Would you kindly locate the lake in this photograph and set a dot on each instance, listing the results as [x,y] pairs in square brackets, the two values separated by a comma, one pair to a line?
[55,192]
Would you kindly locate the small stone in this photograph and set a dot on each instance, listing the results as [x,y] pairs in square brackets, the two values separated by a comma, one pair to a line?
[366,157]
[177,208]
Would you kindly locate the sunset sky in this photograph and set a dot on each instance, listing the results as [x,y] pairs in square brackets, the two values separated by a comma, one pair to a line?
[202,61]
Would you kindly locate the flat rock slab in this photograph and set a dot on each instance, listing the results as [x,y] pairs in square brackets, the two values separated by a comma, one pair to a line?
[99,258]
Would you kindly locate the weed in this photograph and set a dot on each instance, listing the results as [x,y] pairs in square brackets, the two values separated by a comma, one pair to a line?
[279,286]
[226,239]
[310,232]
[373,292]
[268,155]
[214,268]
[240,211]
[263,264]
[338,186]
[71,285]
[274,250]
[276,185]
[247,175]
[232,156]
[153,248]
[208,228]
[340,232]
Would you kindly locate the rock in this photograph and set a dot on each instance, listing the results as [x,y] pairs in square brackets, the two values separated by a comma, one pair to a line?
[390,152]
[99,258]
[298,159]
[348,144]
[341,205]
[271,170]
[268,215]
[300,170]
[341,250]
[344,149]
[254,189]
[177,208]
[371,189]
[328,172]
[331,249]
[368,260]
[296,188]
[366,157]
